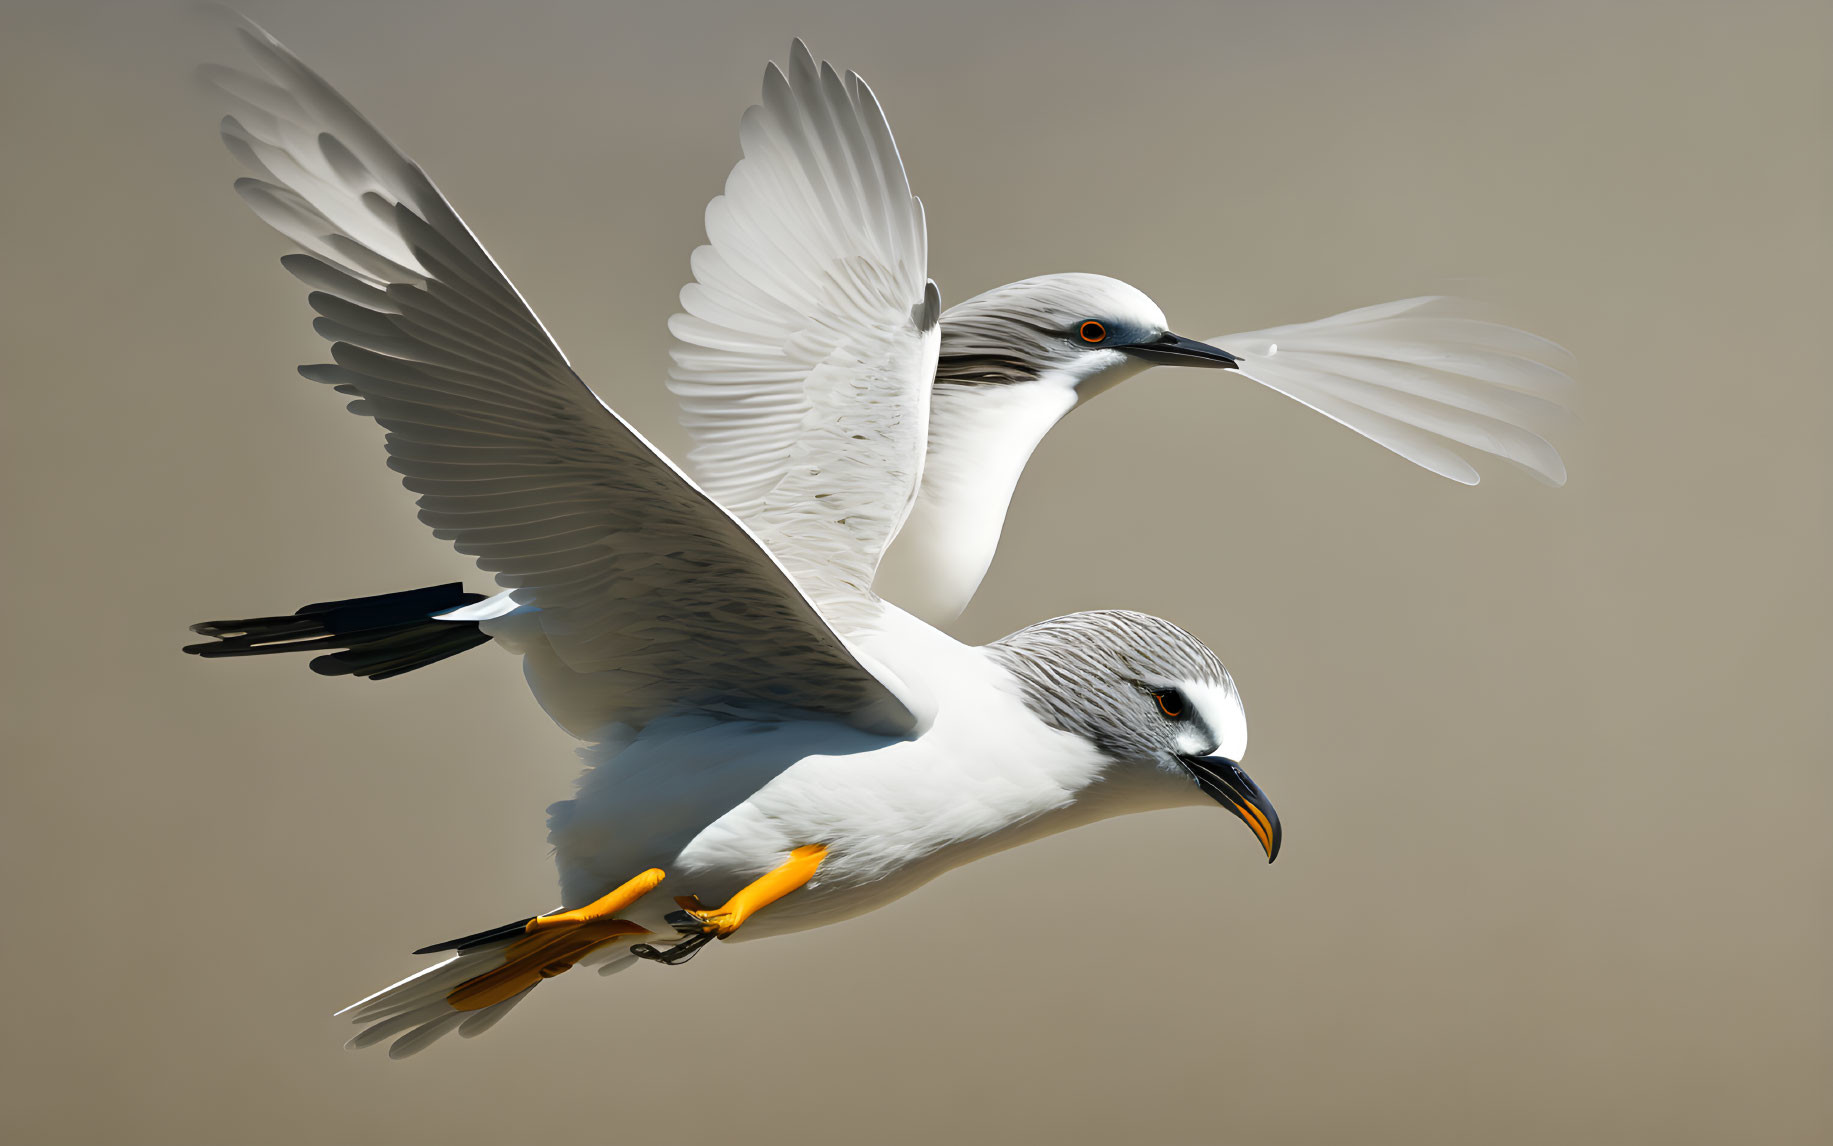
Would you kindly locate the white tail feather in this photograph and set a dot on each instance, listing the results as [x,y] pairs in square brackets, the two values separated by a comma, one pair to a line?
[424,1036]
[415,1009]
[480,1021]
[1412,378]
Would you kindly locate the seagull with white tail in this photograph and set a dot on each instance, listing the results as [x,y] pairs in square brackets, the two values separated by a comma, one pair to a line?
[772,745]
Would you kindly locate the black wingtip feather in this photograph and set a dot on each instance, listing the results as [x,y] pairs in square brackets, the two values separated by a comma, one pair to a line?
[373,637]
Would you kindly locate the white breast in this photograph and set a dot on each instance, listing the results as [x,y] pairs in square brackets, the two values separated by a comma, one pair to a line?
[717,803]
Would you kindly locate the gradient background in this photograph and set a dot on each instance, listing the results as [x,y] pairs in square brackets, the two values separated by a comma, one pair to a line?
[1552,762]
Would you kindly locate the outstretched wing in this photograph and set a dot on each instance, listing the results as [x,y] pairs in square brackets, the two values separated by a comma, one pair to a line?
[1418,380]
[809,341]
[639,575]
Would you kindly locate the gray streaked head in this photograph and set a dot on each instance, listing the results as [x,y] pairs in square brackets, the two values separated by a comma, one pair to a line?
[1141,691]
[1106,676]
[1090,330]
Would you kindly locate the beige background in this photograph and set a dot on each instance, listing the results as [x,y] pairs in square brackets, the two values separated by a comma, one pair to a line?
[1552,761]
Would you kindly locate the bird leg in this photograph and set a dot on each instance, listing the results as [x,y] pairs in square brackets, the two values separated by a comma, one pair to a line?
[554,943]
[760,893]
[701,925]
[604,907]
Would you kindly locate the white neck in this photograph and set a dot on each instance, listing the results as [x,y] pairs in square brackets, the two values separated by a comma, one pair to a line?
[980,438]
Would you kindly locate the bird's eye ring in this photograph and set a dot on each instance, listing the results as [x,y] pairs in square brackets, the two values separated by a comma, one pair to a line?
[1171,703]
[1092,331]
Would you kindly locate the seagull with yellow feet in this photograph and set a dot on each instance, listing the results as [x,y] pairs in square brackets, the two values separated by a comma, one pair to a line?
[765,733]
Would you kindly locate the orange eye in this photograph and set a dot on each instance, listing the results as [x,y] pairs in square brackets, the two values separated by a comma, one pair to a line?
[1170,702]
[1093,331]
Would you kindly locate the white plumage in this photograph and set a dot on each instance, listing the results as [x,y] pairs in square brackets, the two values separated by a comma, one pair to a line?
[809,339]
[514,459]
[744,693]
[1414,377]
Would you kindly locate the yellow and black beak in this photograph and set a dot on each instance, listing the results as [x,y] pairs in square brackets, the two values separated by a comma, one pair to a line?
[1229,786]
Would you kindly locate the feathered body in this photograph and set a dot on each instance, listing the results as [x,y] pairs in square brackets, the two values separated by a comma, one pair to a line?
[1004,755]
[715,802]
[757,715]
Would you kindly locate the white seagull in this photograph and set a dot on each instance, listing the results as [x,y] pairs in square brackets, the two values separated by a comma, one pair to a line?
[774,746]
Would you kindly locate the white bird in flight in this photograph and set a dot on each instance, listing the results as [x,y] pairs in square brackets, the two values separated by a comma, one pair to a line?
[772,745]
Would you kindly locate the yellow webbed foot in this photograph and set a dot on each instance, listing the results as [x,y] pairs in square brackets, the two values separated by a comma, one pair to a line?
[795,872]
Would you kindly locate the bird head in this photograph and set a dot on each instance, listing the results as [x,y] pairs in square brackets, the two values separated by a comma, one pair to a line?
[1143,691]
[1090,331]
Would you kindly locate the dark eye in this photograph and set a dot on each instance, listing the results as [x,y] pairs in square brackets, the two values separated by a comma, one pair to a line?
[1092,331]
[1171,702]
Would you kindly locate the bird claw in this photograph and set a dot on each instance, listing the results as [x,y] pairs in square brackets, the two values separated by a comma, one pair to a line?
[690,945]
[702,921]
[700,925]
[697,927]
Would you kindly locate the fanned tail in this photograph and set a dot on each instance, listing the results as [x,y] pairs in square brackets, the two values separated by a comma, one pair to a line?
[374,637]
[1419,378]
[469,992]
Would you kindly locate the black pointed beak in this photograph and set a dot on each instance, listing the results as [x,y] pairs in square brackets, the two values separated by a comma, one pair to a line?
[1170,349]
[1225,783]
